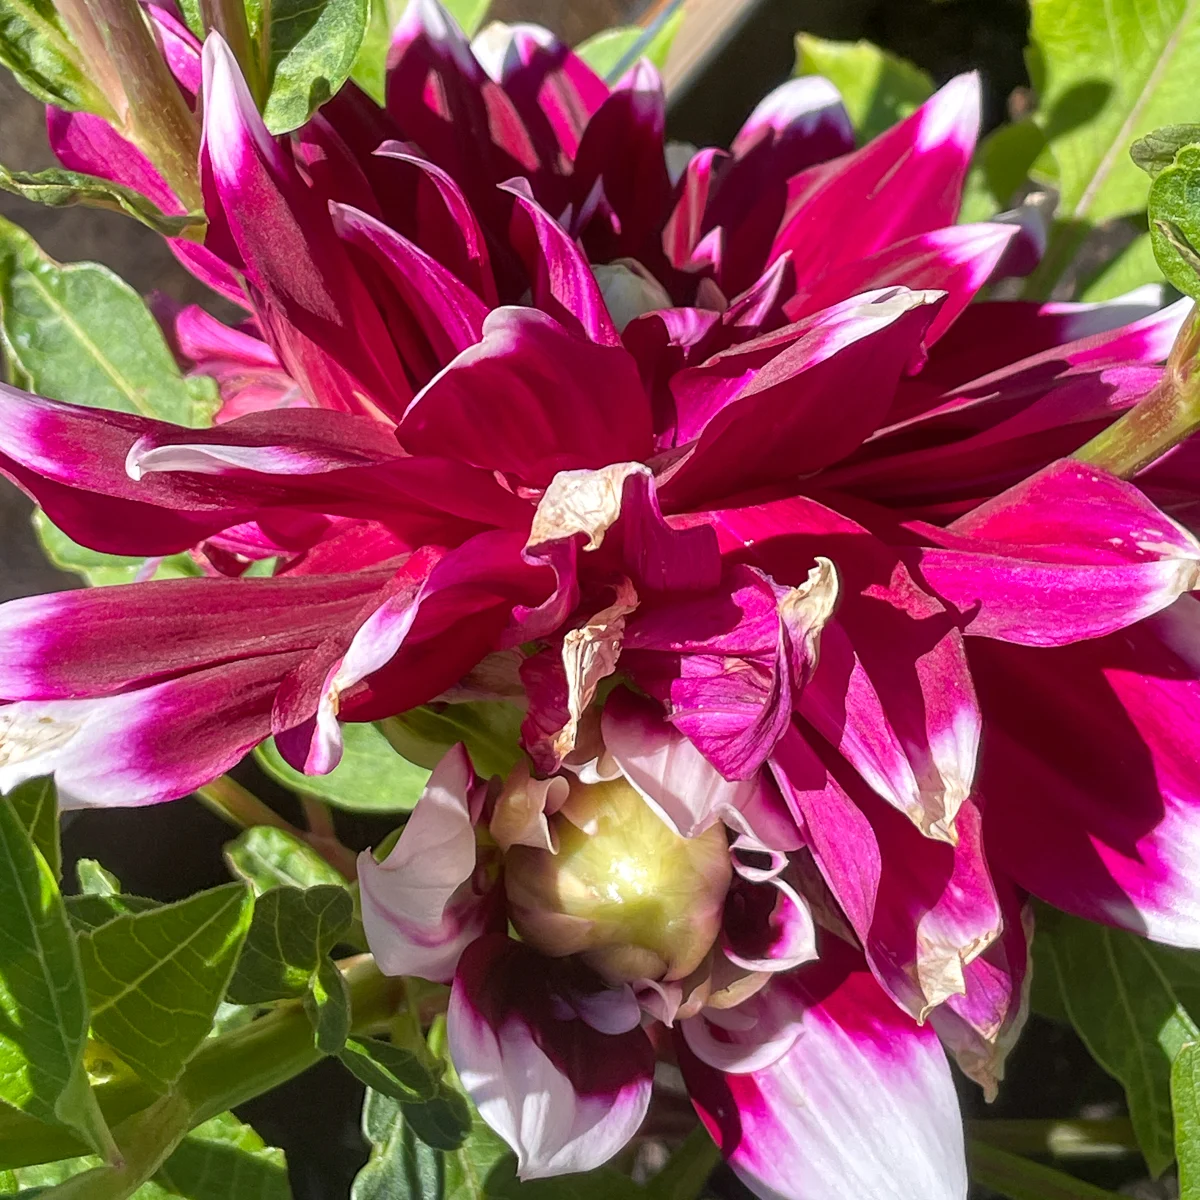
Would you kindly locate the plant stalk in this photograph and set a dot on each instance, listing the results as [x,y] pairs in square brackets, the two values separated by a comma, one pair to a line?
[1019,1179]
[1162,419]
[228,18]
[226,1070]
[1060,1138]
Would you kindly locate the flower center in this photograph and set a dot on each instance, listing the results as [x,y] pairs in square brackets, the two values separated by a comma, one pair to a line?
[624,891]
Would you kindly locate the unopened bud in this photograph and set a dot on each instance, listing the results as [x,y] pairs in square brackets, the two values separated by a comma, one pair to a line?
[624,891]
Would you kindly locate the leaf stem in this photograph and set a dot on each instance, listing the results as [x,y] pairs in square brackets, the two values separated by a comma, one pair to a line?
[228,18]
[243,809]
[1162,419]
[226,1070]
[1020,1179]
[688,1168]
[1066,1138]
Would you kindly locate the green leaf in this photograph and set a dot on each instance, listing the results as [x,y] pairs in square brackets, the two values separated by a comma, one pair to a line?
[291,932]
[327,1003]
[266,857]
[313,48]
[389,1069]
[1106,74]
[1185,1100]
[878,88]
[611,53]
[94,880]
[42,998]
[470,14]
[443,1122]
[371,777]
[1157,149]
[490,730]
[100,569]
[36,48]
[1123,995]
[57,188]
[155,978]
[81,334]
[1019,1179]
[1131,268]
[102,898]
[1174,214]
[36,804]
[223,1160]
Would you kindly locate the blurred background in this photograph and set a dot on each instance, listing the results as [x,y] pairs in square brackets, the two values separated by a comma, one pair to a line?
[728,55]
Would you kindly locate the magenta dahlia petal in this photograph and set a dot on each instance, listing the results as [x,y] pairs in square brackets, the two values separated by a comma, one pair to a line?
[621,156]
[750,1037]
[560,276]
[532,399]
[906,182]
[1071,552]
[892,689]
[862,1104]
[425,903]
[1090,772]
[147,745]
[97,642]
[314,309]
[729,666]
[685,227]
[553,89]
[564,1094]
[449,314]
[958,260]
[764,422]
[921,908]
[767,926]
[981,1026]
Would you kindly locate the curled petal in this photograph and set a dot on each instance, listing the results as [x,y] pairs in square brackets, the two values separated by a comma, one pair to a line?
[862,1104]
[529,1042]
[423,905]
[767,926]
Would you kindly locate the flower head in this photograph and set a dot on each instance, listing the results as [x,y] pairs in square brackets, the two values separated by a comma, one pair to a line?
[516,396]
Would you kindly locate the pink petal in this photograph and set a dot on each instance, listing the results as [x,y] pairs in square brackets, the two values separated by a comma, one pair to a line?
[1072,552]
[565,1095]
[862,1104]
[532,399]
[906,182]
[767,926]
[422,906]
[1090,776]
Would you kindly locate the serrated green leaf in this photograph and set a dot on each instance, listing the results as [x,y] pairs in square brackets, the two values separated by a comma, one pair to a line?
[81,334]
[42,997]
[327,1003]
[155,978]
[1158,148]
[313,48]
[102,898]
[36,804]
[1106,74]
[36,48]
[1185,1101]
[1118,991]
[611,53]
[101,570]
[371,777]
[58,188]
[292,930]
[1174,216]
[490,730]
[266,857]
[95,880]
[878,88]
[389,1069]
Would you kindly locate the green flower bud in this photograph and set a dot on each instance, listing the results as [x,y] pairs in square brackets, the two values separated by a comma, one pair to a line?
[624,891]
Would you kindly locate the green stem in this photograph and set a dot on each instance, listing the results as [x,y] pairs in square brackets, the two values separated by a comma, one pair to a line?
[1169,413]
[243,809]
[1019,1179]
[687,1170]
[226,1071]
[1060,1138]
[228,18]
[124,59]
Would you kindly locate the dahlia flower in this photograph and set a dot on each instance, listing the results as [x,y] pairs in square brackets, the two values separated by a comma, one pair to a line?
[829,657]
